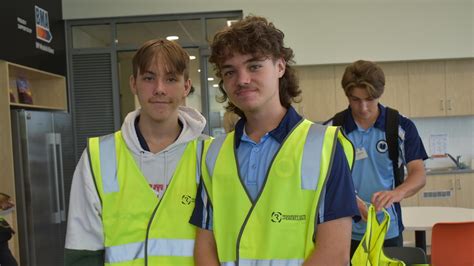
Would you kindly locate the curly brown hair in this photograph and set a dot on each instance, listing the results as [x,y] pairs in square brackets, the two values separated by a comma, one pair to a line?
[258,37]
[366,75]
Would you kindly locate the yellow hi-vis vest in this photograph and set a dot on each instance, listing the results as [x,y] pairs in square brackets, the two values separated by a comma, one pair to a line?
[139,228]
[277,228]
[370,250]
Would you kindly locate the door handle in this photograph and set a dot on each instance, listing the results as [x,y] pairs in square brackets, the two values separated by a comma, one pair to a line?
[61,176]
[51,138]
[448,103]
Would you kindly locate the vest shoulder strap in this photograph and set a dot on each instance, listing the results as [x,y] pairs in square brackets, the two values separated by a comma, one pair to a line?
[213,151]
[107,160]
[311,162]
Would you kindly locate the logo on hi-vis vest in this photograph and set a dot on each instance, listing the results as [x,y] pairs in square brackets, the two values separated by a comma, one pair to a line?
[42,25]
[278,217]
[186,200]
[382,146]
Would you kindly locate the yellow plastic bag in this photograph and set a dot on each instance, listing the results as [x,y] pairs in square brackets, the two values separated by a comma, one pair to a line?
[370,250]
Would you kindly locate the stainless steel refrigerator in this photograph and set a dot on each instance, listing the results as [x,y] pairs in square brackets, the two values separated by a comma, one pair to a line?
[44,164]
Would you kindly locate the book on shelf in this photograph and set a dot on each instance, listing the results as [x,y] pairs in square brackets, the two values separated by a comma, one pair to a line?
[24,91]
[12,97]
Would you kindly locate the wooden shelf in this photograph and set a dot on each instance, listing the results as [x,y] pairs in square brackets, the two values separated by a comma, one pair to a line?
[48,90]
[33,106]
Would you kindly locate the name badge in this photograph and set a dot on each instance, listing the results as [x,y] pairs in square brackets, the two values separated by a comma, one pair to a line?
[361,153]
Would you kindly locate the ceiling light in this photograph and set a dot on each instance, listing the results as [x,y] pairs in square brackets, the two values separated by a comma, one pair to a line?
[230,22]
[199,70]
[172,38]
[192,57]
[210,79]
[215,85]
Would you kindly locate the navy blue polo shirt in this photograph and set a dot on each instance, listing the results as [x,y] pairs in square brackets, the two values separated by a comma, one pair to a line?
[373,169]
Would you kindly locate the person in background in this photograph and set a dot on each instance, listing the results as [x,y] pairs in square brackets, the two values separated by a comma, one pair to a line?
[366,122]
[133,191]
[278,189]
[6,233]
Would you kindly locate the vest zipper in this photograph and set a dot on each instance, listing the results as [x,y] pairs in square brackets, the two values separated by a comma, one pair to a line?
[148,231]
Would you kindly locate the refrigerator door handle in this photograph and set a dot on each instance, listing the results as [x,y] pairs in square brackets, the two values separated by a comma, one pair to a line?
[57,213]
[61,176]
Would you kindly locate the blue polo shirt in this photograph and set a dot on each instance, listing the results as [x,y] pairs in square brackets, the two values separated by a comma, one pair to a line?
[373,169]
[255,159]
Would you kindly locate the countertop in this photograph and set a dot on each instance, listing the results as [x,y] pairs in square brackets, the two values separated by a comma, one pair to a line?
[448,171]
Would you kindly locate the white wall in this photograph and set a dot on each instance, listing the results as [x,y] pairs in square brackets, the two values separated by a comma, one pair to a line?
[331,31]
[460,131]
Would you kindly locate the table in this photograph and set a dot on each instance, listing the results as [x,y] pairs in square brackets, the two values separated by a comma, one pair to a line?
[420,219]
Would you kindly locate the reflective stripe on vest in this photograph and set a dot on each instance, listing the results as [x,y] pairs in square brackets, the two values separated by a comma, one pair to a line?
[244,262]
[310,165]
[156,247]
[108,166]
[311,157]
[213,151]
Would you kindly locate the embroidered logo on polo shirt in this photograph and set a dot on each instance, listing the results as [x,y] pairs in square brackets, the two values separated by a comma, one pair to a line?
[382,146]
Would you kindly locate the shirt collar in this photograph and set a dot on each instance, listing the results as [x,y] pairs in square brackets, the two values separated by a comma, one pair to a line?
[350,124]
[141,139]
[286,125]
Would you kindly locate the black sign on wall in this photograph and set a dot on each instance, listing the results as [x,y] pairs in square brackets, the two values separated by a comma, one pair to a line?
[33,34]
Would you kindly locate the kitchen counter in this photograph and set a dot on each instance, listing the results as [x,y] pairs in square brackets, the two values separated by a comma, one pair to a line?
[448,171]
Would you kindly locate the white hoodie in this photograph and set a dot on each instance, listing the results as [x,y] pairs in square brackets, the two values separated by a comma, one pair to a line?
[84,228]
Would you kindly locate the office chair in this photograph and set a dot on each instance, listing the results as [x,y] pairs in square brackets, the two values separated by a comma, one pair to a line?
[452,244]
[409,255]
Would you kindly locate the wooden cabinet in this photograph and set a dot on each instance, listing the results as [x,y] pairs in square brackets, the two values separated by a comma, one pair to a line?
[427,88]
[464,185]
[341,98]
[417,89]
[48,92]
[396,93]
[318,98]
[438,191]
[459,87]
[441,88]
[451,190]
[411,201]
